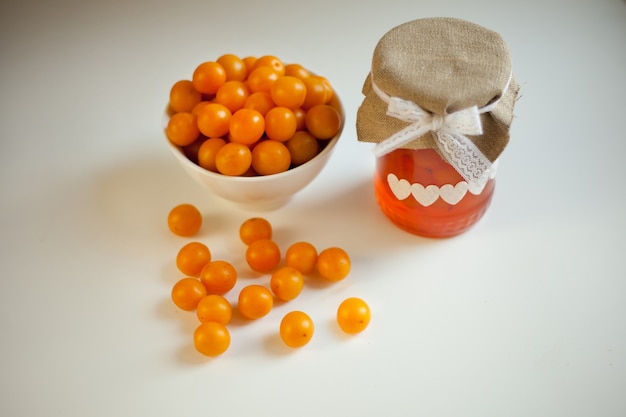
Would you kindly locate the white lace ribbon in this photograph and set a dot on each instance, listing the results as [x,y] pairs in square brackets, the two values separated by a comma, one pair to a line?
[448,131]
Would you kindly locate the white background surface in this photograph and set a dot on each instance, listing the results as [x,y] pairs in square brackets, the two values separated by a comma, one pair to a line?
[524,315]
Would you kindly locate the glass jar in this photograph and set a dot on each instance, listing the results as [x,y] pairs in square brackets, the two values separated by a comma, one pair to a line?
[423,194]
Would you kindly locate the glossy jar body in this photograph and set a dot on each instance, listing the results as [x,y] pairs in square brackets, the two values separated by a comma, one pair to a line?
[423,194]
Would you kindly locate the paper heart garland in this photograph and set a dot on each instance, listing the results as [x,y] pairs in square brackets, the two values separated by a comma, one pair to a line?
[426,196]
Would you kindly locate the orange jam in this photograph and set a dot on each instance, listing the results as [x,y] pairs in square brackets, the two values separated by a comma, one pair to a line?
[423,194]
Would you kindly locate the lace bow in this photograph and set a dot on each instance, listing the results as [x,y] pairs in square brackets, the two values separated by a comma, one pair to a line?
[448,131]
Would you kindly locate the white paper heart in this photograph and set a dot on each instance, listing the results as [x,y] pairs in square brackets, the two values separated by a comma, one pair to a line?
[425,195]
[400,188]
[453,194]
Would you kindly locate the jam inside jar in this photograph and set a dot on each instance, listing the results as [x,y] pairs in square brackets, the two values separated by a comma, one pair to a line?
[423,194]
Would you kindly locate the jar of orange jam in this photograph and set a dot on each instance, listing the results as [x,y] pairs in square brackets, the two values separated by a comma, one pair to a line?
[438,106]
[423,194]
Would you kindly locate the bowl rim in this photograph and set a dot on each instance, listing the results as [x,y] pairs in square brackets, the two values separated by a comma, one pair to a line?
[258,178]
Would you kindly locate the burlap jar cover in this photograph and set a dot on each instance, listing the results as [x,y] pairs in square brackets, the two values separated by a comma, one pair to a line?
[445,84]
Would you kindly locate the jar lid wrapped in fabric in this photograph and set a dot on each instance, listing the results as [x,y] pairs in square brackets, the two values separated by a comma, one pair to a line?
[441,83]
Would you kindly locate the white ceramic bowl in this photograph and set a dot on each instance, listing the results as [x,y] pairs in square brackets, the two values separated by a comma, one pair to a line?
[260,192]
